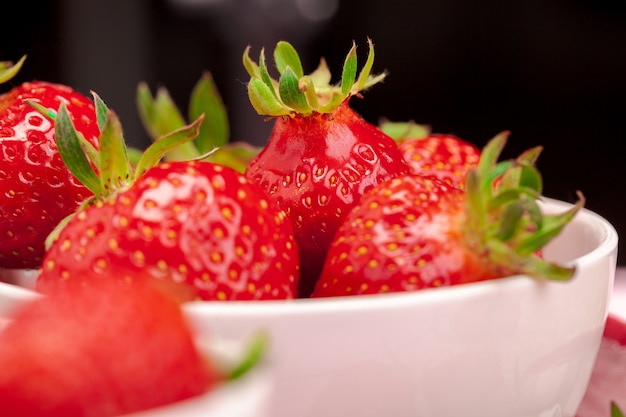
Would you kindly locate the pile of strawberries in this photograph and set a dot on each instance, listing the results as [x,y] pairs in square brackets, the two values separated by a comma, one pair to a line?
[332,205]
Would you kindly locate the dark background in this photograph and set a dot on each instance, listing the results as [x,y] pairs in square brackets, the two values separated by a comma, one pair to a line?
[553,72]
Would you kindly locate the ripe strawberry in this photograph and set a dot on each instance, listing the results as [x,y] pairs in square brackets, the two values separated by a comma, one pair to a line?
[190,222]
[441,155]
[321,155]
[37,189]
[103,350]
[416,232]
[444,156]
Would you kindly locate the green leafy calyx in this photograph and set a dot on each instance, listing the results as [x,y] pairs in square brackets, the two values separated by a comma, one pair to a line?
[505,221]
[108,169]
[297,93]
[9,70]
[160,115]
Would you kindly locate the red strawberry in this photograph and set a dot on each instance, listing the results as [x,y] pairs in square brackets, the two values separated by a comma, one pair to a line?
[190,222]
[416,232]
[442,155]
[321,155]
[102,350]
[37,189]
[194,223]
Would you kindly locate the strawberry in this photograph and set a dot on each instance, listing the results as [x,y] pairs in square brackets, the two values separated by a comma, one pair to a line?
[417,231]
[102,350]
[321,156]
[442,155]
[196,223]
[37,189]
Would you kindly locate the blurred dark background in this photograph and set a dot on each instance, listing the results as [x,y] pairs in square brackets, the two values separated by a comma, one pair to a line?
[553,72]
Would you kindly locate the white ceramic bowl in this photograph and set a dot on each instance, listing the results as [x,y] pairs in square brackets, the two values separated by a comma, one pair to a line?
[514,347]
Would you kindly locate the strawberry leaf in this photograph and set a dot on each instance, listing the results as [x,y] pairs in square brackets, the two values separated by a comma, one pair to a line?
[290,94]
[160,116]
[101,110]
[400,131]
[510,195]
[531,178]
[115,167]
[367,68]
[509,221]
[334,102]
[205,99]
[542,269]
[9,70]
[134,155]
[307,86]
[251,67]
[49,113]
[253,355]
[550,227]
[321,76]
[615,410]
[285,56]
[167,143]
[145,105]
[263,99]
[349,71]
[168,116]
[265,75]
[504,220]
[236,155]
[296,92]
[72,153]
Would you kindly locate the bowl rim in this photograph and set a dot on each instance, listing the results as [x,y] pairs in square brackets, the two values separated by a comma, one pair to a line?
[332,305]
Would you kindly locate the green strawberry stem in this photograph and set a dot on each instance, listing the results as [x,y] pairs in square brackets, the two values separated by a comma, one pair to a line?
[504,218]
[294,92]
[9,70]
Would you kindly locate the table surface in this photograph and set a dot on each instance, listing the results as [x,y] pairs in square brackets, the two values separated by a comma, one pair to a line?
[618,300]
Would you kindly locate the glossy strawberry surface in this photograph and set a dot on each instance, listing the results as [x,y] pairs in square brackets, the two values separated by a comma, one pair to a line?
[415,231]
[317,168]
[102,350]
[443,155]
[403,236]
[36,188]
[195,223]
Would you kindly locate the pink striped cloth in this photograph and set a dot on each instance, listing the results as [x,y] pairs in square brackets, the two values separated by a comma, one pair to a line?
[608,379]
